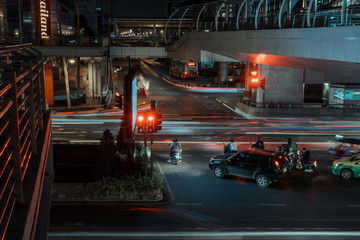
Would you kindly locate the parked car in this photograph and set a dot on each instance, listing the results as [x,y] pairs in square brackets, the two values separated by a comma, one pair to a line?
[347,167]
[262,165]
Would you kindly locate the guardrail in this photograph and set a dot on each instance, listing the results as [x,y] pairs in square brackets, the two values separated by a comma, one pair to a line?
[22,108]
[304,105]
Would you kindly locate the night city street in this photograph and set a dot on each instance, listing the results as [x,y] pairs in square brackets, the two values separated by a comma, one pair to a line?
[180,119]
[195,200]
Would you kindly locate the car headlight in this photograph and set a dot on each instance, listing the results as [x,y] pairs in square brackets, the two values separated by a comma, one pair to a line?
[338,164]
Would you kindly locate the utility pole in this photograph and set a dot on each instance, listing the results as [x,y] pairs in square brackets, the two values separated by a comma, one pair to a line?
[67,82]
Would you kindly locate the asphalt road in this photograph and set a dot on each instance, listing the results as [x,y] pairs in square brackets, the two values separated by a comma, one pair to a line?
[198,201]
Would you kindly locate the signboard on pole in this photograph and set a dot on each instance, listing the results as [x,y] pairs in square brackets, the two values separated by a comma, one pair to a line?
[134,102]
[43,22]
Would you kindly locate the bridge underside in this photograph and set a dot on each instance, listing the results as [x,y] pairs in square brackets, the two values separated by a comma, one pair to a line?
[321,49]
[321,65]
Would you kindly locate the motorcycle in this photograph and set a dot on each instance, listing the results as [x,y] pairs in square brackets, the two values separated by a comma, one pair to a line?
[344,147]
[175,157]
[297,165]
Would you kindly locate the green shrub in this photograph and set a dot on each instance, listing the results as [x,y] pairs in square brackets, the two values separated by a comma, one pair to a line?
[129,186]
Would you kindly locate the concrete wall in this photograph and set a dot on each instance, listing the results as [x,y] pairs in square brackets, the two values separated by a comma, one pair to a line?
[138,52]
[339,77]
[135,52]
[282,85]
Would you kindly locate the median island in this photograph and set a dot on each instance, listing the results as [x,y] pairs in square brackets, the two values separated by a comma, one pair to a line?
[105,173]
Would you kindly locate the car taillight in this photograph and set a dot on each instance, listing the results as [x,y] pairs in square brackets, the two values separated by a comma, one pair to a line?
[185,72]
[277,163]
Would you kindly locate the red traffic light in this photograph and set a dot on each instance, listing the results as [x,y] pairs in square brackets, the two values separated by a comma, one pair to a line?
[119,99]
[140,118]
[140,123]
[254,73]
[150,123]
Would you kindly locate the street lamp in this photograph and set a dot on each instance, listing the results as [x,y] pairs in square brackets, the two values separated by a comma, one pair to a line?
[71,61]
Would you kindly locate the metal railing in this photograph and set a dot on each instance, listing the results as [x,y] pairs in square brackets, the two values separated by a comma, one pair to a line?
[299,18]
[22,108]
[303,106]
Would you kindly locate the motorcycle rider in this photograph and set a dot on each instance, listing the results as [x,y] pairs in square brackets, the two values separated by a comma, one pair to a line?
[259,144]
[231,147]
[305,156]
[175,147]
[291,145]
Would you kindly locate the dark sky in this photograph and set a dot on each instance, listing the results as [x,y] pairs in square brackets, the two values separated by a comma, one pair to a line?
[141,8]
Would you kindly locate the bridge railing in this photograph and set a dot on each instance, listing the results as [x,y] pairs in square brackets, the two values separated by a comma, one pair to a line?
[88,41]
[22,108]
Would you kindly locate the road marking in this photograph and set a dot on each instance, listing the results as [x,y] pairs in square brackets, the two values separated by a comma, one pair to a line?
[189,204]
[202,235]
[272,204]
[84,141]
[247,142]
[73,132]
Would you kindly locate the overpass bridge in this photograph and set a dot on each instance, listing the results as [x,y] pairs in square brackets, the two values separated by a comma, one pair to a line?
[300,48]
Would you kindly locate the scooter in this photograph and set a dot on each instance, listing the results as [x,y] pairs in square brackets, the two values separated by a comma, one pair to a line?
[175,157]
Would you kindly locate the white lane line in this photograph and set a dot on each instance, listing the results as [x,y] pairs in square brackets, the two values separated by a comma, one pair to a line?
[66,132]
[189,204]
[97,131]
[247,142]
[202,235]
[84,141]
[272,204]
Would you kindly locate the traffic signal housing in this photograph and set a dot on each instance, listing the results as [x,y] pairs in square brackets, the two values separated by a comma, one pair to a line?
[254,78]
[150,123]
[157,123]
[141,123]
[153,104]
[118,97]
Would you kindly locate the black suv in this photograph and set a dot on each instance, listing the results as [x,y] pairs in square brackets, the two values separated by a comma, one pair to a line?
[262,165]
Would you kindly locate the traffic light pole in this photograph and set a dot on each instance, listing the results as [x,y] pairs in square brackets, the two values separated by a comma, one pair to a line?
[146,156]
[151,150]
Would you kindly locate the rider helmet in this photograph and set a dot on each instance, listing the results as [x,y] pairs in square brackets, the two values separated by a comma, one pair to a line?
[289,139]
[259,138]
[175,140]
[231,139]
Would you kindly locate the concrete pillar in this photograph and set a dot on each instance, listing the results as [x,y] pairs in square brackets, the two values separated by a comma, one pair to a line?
[94,81]
[49,83]
[282,85]
[247,92]
[223,73]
